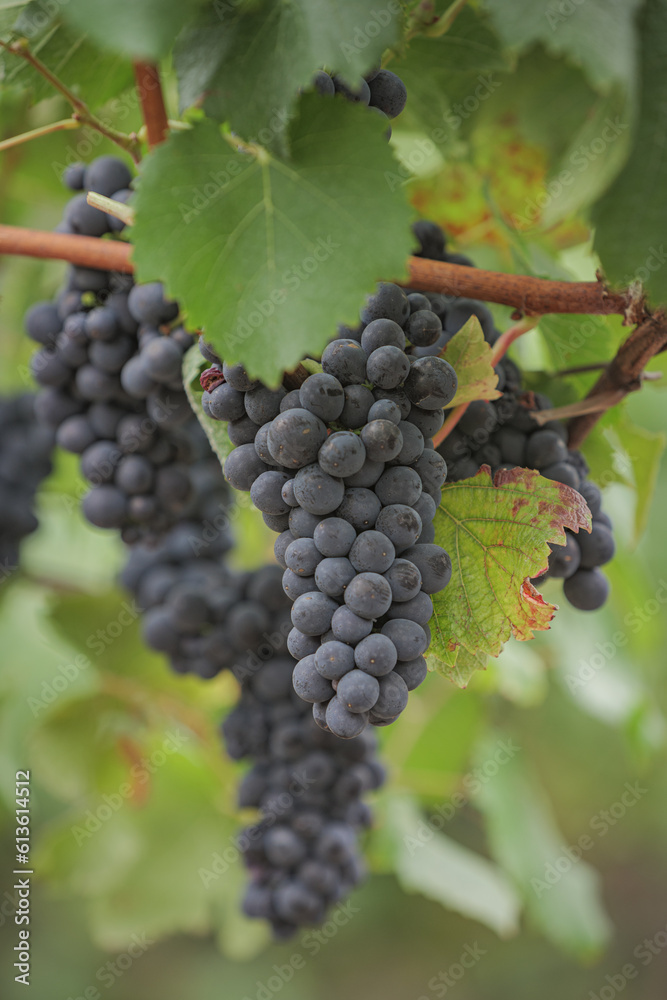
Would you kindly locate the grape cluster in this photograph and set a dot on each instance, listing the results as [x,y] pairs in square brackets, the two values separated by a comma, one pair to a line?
[25,460]
[504,434]
[109,364]
[343,468]
[303,854]
[381,91]
[308,786]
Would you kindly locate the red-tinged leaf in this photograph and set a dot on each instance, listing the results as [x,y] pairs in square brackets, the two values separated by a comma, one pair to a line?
[470,356]
[497,534]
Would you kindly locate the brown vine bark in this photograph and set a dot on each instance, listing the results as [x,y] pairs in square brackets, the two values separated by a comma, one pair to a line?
[149,89]
[529,296]
[624,373]
[86,251]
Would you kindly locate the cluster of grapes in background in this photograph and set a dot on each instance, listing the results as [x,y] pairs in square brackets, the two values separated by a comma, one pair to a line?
[25,460]
[109,365]
[344,469]
[504,434]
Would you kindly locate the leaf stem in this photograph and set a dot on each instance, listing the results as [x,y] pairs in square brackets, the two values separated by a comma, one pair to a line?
[36,133]
[446,20]
[500,349]
[82,112]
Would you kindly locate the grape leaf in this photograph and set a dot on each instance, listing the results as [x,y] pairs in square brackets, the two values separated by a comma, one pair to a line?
[632,216]
[215,430]
[96,76]
[561,895]
[496,532]
[428,862]
[269,256]
[252,62]
[597,35]
[470,356]
[641,452]
[142,29]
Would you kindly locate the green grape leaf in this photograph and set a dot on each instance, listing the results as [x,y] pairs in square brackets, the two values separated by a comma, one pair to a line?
[428,862]
[215,430]
[141,29]
[639,462]
[457,665]
[77,60]
[630,220]
[252,62]
[561,892]
[266,256]
[470,357]
[598,35]
[573,340]
[496,532]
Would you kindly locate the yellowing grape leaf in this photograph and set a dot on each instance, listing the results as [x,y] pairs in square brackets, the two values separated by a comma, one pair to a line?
[497,534]
[470,357]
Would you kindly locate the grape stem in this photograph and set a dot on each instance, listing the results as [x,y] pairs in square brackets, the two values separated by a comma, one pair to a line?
[499,351]
[149,89]
[116,208]
[35,133]
[82,112]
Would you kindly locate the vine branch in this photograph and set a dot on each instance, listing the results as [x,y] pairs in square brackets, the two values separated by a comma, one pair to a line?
[85,251]
[623,374]
[82,112]
[529,296]
[149,89]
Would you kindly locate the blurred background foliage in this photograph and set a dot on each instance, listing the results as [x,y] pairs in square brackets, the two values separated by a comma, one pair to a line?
[133,798]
